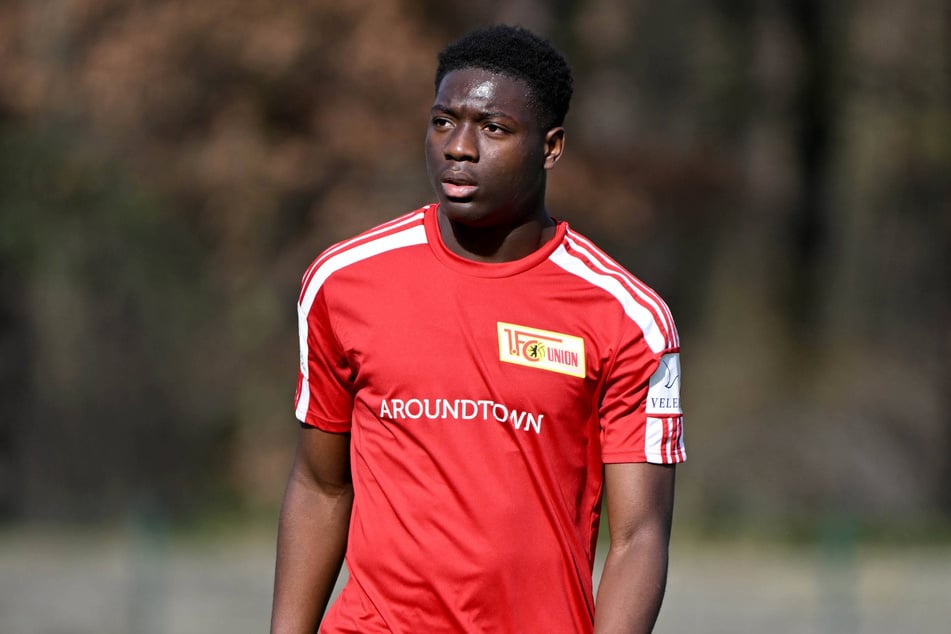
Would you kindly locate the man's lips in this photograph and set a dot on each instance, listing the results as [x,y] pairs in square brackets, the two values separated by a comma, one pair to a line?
[458,186]
[458,191]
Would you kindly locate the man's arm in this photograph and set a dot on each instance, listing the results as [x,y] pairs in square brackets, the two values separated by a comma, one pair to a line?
[640,500]
[312,534]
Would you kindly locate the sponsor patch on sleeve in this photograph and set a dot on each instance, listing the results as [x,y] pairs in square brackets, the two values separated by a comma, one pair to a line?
[663,394]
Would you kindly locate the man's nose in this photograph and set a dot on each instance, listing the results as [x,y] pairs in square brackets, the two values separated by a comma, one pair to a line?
[462,144]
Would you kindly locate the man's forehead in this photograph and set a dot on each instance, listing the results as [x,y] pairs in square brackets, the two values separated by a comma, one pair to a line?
[483,90]
[483,84]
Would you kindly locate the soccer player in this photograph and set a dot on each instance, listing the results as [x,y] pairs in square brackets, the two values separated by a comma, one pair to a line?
[474,375]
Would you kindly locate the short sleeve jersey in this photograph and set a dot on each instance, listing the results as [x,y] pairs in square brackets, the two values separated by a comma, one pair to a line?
[483,400]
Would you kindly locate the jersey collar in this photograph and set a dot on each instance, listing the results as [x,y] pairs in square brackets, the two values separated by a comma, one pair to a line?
[487,269]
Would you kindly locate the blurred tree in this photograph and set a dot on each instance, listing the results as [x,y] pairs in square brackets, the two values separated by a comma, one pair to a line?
[104,313]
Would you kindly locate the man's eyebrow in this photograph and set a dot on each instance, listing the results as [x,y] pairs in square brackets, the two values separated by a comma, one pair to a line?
[494,114]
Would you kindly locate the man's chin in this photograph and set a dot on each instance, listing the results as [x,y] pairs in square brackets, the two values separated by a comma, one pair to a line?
[463,211]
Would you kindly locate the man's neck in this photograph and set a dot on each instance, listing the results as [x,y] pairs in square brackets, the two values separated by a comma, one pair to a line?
[497,244]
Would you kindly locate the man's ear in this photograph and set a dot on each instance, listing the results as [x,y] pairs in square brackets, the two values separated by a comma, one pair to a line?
[554,146]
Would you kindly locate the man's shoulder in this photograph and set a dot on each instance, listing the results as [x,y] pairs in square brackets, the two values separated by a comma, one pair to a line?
[594,263]
[381,234]
[403,231]
[637,300]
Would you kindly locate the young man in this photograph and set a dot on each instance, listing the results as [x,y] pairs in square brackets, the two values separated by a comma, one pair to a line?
[473,375]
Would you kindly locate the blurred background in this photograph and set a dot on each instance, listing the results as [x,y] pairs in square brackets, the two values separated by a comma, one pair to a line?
[779,171]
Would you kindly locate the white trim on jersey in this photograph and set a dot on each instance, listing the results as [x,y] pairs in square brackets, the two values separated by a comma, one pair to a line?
[654,333]
[646,292]
[342,258]
[664,440]
[601,261]
[340,246]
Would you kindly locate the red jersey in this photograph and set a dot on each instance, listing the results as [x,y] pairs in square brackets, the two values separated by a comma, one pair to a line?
[482,400]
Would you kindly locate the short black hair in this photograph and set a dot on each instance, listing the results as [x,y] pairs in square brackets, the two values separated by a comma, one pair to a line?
[520,54]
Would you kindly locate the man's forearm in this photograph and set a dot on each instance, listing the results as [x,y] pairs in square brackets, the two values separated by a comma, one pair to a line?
[632,585]
[312,538]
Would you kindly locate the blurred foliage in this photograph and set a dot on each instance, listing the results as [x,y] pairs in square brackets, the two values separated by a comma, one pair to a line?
[103,318]
[777,170]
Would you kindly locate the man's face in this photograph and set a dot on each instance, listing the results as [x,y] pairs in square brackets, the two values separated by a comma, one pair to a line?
[485,152]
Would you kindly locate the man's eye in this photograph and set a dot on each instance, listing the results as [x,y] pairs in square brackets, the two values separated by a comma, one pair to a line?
[491,127]
[440,122]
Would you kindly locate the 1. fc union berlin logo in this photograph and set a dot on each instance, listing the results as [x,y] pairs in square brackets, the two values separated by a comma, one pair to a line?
[542,349]
[534,350]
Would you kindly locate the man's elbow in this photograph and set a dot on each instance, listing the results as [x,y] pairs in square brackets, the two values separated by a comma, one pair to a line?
[650,536]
